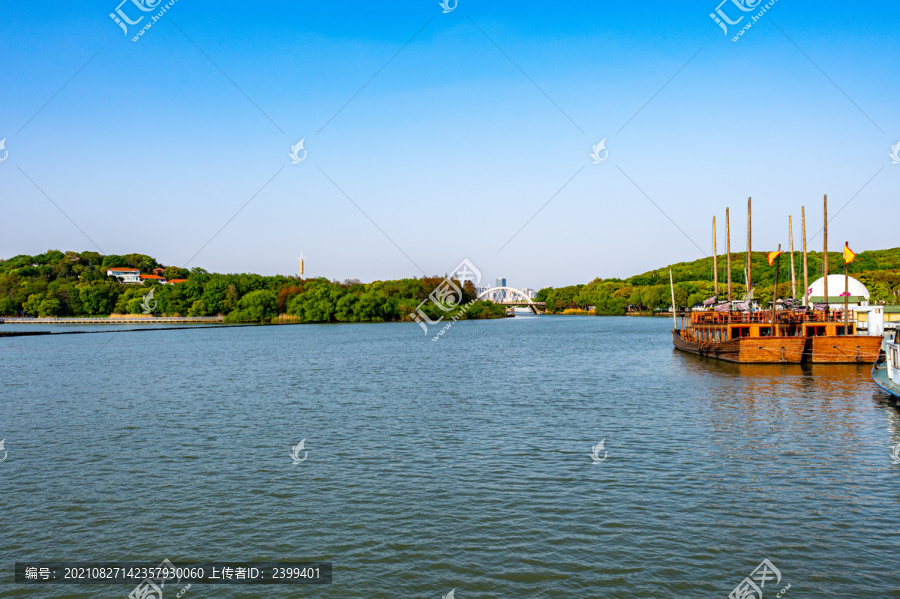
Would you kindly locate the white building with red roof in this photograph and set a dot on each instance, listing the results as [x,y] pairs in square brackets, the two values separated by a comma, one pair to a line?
[125,275]
[157,278]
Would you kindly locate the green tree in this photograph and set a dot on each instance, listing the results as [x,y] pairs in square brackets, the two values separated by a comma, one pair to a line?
[135,305]
[259,305]
[214,294]
[653,296]
[49,307]
[32,304]
[173,300]
[173,272]
[636,297]
[346,309]
[696,298]
[141,262]
[98,298]
[198,308]
[681,297]
[7,306]
[113,261]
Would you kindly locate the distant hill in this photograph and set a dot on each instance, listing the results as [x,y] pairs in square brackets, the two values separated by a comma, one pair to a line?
[879,270]
[59,283]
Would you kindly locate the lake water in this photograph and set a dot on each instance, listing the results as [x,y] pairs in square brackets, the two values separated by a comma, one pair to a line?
[462,463]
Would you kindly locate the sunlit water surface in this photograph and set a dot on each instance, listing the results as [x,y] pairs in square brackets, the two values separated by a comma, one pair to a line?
[462,463]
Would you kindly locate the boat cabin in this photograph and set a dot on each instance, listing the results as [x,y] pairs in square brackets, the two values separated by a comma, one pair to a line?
[892,355]
[724,326]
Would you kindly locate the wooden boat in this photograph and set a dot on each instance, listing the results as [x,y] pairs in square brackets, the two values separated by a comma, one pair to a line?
[886,371]
[746,350]
[789,335]
[743,337]
[748,337]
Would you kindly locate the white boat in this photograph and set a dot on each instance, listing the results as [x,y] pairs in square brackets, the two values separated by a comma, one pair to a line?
[886,371]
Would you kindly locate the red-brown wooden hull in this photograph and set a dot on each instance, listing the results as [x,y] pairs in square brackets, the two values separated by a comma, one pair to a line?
[747,350]
[843,349]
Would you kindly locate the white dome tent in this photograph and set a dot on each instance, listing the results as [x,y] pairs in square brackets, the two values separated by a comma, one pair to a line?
[859,295]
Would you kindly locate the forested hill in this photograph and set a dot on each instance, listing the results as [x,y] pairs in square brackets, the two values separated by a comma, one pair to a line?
[879,270]
[76,284]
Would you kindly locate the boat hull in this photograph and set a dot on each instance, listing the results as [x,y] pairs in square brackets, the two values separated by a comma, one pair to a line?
[747,350]
[843,349]
[880,376]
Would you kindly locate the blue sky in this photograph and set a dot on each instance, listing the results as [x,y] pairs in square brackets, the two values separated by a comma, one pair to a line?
[435,137]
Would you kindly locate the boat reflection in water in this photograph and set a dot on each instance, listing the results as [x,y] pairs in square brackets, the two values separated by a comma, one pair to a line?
[808,414]
[756,396]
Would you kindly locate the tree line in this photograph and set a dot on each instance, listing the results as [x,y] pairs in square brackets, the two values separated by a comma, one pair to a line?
[76,284]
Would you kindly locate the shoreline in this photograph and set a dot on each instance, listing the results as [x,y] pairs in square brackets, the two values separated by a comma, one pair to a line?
[124,319]
[4,334]
[112,320]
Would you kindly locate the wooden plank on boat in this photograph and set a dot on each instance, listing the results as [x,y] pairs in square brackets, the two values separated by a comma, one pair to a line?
[843,349]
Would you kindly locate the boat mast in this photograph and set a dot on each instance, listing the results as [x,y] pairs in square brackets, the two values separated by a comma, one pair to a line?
[749,240]
[672,286]
[775,291]
[846,294]
[715,261]
[825,258]
[728,249]
[793,275]
[805,266]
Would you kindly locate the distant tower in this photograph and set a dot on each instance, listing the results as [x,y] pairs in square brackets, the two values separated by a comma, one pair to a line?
[301,259]
[501,295]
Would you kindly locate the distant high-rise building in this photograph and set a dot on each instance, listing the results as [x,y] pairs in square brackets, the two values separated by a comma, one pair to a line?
[500,283]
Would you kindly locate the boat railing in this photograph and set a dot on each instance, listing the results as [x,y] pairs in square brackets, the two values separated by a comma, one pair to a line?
[765,316]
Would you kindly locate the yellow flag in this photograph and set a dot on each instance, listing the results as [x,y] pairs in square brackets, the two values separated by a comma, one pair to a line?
[771,257]
[849,254]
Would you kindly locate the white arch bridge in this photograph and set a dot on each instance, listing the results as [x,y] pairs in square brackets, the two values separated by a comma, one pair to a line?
[510,296]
